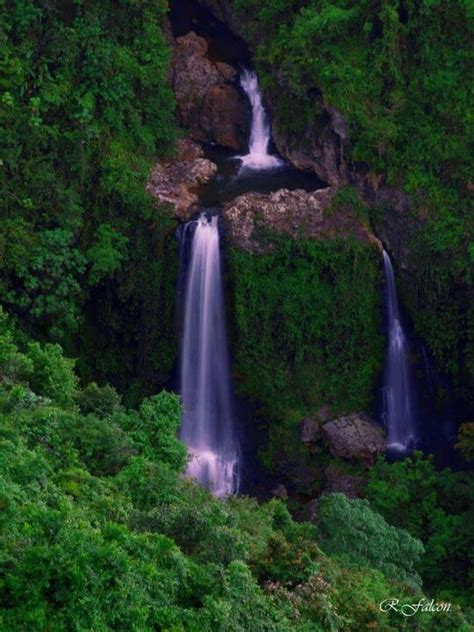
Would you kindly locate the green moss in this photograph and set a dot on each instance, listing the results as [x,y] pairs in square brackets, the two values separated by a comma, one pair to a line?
[306,321]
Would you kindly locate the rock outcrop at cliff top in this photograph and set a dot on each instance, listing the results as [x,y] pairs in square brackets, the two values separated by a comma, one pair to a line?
[210,106]
[177,182]
[355,438]
[293,213]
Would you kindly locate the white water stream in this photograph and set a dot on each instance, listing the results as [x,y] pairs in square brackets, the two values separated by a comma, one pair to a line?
[208,425]
[258,157]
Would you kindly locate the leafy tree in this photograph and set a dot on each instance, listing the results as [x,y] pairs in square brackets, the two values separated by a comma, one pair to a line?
[85,108]
[99,530]
[350,529]
[435,507]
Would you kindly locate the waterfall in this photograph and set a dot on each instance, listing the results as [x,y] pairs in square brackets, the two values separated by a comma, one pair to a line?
[258,157]
[208,424]
[398,413]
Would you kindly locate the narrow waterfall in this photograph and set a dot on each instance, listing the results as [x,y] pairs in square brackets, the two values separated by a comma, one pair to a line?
[258,157]
[208,424]
[399,415]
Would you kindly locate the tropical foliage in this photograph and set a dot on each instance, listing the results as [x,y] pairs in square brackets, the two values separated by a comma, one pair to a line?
[84,107]
[99,531]
[397,72]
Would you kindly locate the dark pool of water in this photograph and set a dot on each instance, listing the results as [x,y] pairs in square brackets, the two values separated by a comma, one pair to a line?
[230,181]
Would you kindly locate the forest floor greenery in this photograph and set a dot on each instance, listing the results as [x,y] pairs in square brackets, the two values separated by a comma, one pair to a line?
[99,531]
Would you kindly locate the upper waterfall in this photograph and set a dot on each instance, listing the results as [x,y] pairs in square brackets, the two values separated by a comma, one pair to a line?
[399,414]
[208,424]
[258,156]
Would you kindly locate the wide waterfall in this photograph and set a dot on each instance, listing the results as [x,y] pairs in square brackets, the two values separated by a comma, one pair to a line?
[399,414]
[208,425]
[258,157]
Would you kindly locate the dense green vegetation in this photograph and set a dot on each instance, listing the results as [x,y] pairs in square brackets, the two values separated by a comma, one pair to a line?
[307,330]
[398,71]
[84,108]
[438,508]
[98,531]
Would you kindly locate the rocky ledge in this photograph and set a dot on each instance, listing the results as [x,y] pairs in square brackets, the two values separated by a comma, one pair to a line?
[293,213]
[210,104]
[354,438]
[177,181]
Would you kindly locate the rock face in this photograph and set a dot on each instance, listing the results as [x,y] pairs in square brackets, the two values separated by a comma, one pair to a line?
[355,438]
[291,213]
[323,153]
[177,182]
[394,226]
[210,104]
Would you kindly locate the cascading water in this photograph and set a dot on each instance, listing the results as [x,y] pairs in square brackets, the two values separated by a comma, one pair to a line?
[398,413]
[258,157]
[208,425]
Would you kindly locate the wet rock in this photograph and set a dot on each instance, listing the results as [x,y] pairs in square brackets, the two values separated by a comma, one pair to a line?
[354,437]
[251,215]
[280,491]
[209,103]
[338,481]
[324,148]
[177,182]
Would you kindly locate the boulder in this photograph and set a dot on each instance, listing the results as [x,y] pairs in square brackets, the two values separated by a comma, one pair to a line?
[177,182]
[210,104]
[338,481]
[354,437]
[292,213]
